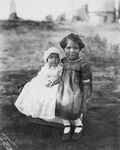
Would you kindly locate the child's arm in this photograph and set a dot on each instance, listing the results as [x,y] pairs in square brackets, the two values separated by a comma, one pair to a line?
[86,82]
[57,81]
[87,89]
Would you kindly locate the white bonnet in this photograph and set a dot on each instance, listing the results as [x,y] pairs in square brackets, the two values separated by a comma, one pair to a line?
[49,51]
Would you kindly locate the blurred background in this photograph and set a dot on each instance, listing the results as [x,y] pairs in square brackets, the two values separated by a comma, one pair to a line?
[85,10]
[27,29]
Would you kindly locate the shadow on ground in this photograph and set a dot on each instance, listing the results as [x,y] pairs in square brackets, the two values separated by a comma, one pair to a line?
[101,122]
[101,131]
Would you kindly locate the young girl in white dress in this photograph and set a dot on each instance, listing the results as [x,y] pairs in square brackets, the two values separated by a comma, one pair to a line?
[38,97]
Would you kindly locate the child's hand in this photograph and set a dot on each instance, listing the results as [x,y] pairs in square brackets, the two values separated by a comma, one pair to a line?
[49,84]
[56,82]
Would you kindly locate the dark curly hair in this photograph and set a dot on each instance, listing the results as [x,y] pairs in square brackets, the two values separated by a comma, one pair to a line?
[73,37]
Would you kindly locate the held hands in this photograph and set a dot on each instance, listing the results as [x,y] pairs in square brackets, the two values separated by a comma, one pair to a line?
[51,83]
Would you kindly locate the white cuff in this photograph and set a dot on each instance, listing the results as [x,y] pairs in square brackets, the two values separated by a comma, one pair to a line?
[86,81]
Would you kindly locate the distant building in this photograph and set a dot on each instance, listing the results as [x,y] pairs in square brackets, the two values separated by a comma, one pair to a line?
[81,14]
[117,10]
[101,11]
[94,11]
[13,12]
[97,11]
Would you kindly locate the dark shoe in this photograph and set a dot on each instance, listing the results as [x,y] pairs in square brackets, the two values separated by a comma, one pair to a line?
[66,136]
[76,136]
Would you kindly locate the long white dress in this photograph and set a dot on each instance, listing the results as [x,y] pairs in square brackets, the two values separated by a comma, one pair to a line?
[36,99]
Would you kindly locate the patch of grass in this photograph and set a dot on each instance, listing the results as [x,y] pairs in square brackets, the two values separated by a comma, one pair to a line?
[23,56]
[20,26]
[101,53]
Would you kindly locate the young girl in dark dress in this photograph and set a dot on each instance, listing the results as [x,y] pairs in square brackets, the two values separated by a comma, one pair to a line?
[75,86]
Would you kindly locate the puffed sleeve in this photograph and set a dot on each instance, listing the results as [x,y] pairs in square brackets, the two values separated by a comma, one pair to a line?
[86,74]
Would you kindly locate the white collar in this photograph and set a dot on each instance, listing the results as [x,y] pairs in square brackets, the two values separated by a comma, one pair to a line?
[80,58]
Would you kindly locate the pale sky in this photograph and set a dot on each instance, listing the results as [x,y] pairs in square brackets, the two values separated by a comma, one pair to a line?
[38,9]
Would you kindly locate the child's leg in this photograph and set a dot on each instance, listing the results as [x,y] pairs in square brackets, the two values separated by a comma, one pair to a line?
[78,125]
[77,129]
[81,117]
[66,125]
[67,130]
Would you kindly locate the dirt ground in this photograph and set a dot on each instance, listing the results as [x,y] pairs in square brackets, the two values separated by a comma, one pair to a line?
[21,50]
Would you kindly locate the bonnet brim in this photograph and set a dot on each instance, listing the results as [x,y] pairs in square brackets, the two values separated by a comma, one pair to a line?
[49,51]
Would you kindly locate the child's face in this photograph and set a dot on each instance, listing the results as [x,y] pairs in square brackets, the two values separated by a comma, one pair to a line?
[72,50]
[53,59]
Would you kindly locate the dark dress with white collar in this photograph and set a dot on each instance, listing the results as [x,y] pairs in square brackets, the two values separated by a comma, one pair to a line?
[70,91]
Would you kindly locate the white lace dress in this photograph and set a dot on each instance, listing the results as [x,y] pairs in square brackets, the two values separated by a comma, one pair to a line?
[36,99]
